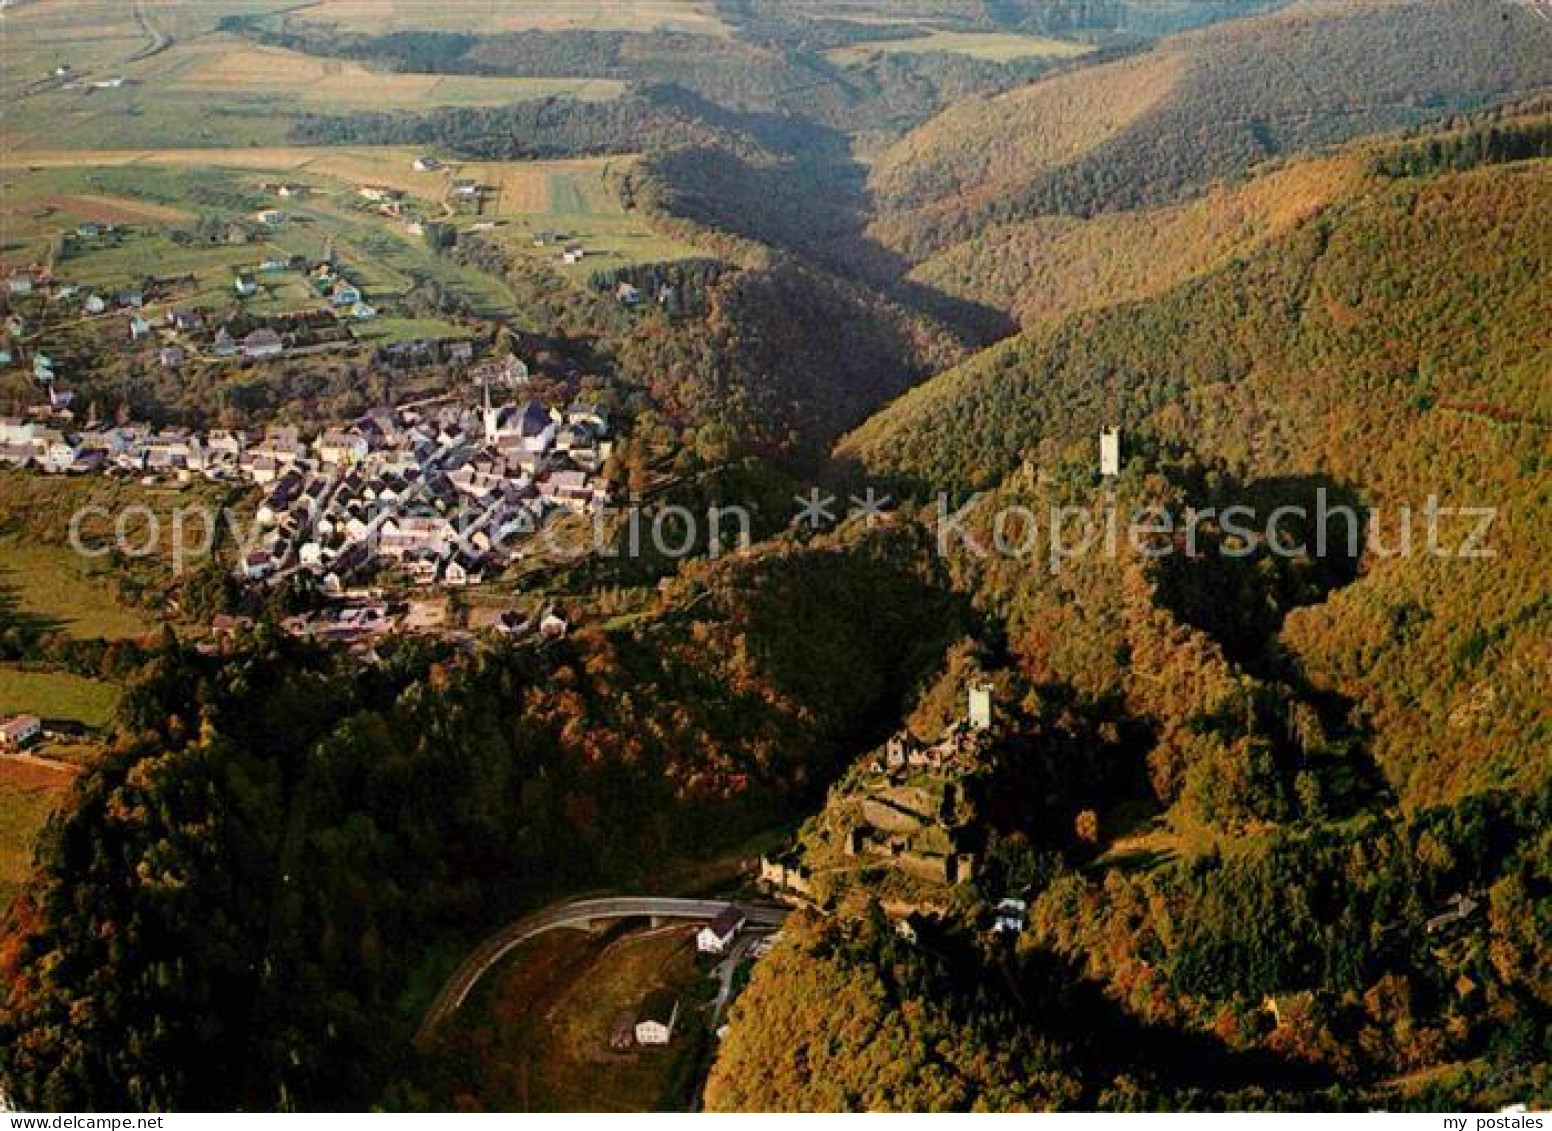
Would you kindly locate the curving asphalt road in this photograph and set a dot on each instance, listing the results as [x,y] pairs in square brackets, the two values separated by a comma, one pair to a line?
[579,913]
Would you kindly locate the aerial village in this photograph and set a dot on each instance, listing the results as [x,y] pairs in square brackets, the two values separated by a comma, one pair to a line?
[443,490]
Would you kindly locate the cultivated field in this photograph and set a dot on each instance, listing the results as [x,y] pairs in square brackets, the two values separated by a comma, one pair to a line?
[228,67]
[184,83]
[49,192]
[198,129]
[995,47]
[385,258]
[544,1022]
[697,16]
[56,695]
[28,794]
[49,587]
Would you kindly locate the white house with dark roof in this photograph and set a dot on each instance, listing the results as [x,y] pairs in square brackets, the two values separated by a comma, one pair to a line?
[718,935]
[656,1018]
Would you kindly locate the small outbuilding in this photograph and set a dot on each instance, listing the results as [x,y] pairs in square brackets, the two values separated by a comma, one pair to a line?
[656,1018]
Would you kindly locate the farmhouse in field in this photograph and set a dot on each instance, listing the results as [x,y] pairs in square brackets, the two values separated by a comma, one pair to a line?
[718,935]
[20,732]
[656,1018]
[184,321]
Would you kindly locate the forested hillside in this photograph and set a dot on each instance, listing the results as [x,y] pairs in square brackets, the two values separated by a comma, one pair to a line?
[1202,106]
[250,898]
[1298,974]
[1057,265]
[1278,819]
[787,357]
[1392,346]
[1198,757]
[655,117]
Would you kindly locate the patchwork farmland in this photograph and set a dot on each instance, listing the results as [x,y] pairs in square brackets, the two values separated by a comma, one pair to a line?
[696,16]
[49,193]
[87,76]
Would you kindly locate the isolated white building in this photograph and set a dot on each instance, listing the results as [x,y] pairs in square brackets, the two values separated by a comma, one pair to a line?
[655,1021]
[718,935]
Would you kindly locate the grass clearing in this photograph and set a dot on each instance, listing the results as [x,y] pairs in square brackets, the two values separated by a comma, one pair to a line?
[47,192]
[541,1024]
[56,695]
[569,202]
[45,582]
[52,586]
[206,87]
[994,47]
[384,330]
[490,16]
[227,67]
[28,796]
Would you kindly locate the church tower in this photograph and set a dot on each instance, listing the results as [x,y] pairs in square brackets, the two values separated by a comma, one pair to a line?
[981,706]
[488,414]
[1110,452]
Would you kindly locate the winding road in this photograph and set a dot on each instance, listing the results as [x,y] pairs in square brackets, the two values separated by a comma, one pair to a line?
[576,915]
[160,40]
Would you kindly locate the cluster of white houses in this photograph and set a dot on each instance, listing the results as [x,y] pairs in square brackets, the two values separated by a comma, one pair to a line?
[441,493]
